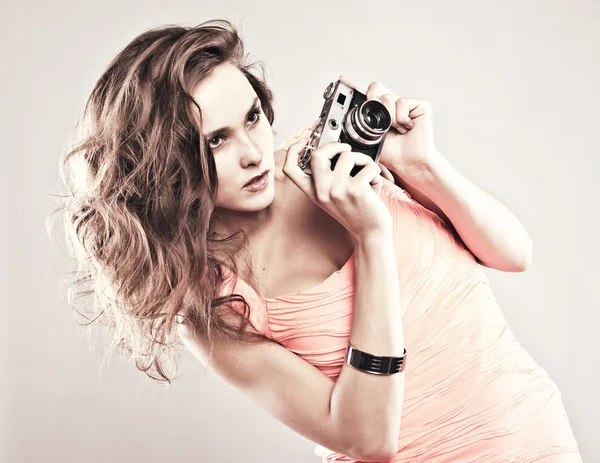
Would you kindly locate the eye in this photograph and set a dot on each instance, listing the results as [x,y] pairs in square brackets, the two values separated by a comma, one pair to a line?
[211,140]
[252,119]
[256,113]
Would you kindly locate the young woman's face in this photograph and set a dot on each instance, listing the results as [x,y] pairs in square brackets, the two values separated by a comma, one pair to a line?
[244,148]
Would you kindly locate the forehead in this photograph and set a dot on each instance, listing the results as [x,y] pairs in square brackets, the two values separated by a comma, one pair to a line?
[223,97]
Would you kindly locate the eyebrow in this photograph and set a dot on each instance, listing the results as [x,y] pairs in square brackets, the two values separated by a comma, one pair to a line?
[225,130]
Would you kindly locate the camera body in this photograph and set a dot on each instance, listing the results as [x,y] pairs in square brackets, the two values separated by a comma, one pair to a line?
[348,117]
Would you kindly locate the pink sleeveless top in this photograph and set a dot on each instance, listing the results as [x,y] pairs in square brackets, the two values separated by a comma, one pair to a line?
[472,392]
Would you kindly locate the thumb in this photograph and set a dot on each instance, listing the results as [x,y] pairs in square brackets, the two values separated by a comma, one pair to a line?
[385,173]
[376,184]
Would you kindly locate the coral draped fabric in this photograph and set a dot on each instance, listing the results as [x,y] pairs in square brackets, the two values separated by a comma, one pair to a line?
[472,392]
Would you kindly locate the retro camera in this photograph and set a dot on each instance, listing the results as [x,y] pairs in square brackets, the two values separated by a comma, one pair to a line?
[348,117]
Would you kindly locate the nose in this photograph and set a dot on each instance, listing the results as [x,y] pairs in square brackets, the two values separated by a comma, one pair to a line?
[250,152]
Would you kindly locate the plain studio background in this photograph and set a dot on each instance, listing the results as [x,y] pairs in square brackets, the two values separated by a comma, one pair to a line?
[514,89]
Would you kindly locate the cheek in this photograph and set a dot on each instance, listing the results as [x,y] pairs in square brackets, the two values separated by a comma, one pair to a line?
[228,172]
[224,172]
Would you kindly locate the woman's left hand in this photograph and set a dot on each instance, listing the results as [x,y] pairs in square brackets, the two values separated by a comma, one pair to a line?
[409,146]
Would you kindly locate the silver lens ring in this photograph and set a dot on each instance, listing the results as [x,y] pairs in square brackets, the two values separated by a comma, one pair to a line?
[352,132]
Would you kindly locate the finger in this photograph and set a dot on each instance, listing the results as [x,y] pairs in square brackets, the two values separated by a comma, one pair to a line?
[385,173]
[320,166]
[330,149]
[376,90]
[377,186]
[417,108]
[406,110]
[345,164]
[402,113]
[343,180]
[367,175]
[390,101]
[293,171]
[351,83]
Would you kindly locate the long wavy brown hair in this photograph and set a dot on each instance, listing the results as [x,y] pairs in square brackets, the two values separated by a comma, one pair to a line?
[141,186]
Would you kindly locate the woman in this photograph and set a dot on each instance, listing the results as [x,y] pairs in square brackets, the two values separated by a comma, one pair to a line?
[273,284]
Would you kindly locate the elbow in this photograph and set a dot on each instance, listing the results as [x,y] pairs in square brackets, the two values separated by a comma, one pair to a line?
[379,453]
[527,256]
[525,262]
[388,454]
[521,267]
[378,456]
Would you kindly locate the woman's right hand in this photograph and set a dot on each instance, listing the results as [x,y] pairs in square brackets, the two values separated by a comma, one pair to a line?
[353,201]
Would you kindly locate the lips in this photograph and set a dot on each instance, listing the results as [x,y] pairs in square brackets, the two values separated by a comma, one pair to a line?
[254,179]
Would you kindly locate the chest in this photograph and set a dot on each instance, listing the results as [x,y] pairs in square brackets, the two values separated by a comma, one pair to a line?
[290,269]
[304,248]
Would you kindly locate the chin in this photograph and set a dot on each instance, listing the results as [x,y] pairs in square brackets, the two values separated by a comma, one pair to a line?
[259,200]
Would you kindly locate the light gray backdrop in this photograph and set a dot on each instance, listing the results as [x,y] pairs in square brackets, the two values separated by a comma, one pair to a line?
[514,87]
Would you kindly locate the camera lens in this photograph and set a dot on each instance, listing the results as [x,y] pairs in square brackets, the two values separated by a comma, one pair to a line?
[368,123]
[375,115]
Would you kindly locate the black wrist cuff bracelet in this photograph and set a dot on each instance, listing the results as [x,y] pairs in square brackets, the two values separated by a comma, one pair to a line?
[375,364]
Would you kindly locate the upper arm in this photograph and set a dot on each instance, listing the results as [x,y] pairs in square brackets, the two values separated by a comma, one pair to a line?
[289,388]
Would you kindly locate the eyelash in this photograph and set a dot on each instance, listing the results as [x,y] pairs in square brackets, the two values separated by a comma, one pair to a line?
[255,112]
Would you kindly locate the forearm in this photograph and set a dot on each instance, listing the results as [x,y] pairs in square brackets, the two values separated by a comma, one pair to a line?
[369,406]
[492,233]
